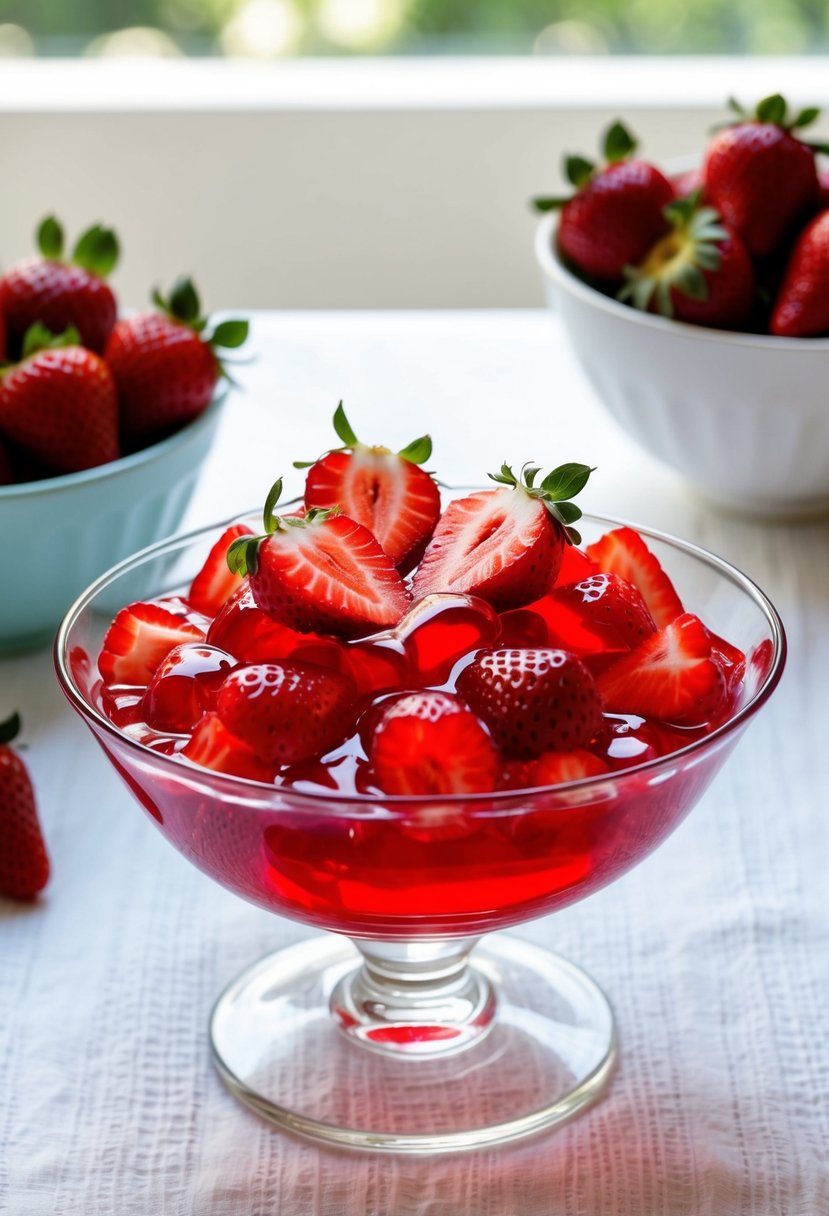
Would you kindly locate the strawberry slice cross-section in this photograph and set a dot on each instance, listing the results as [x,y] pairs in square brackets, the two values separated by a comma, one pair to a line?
[623,552]
[139,639]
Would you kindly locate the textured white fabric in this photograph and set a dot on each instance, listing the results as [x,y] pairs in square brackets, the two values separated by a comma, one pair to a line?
[714,951]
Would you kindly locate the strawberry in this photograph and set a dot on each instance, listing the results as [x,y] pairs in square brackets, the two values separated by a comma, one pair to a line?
[320,573]
[184,685]
[213,746]
[532,700]
[431,743]
[59,403]
[623,552]
[287,712]
[384,491]
[59,293]
[599,614]
[699,272]
[690,181]
[801,309]
[672,676]
[215,583]
[137,641]
[165,365]
[504,545]
[823,191]
[617,212]
[24,864]
[760,176]
[552,768]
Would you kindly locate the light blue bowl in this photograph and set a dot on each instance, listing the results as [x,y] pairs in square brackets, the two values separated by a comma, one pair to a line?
[58,535]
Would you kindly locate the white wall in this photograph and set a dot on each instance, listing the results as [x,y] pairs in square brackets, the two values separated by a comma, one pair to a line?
[342,184]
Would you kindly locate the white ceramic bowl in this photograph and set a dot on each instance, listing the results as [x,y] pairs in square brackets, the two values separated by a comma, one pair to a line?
[743,417]
[59,534]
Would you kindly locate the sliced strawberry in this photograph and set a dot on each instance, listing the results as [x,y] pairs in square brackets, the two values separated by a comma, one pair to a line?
[532,700]
[287,712]
[602,613]
[184,685]
[504,545]
[555,767]
[623,552]
[324,573]
[213,746]
[215,582]
[384,491]
[672,676]
[138,639]
[431,743]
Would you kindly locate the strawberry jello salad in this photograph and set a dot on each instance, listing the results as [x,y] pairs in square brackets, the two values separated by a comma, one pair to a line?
[372,641]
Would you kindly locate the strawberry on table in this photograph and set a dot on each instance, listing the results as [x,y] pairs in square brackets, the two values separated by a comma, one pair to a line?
[801,309]
[289,711]
[699,272]
[622,551]
[321,573]
[532,700]
[166,364]
[616,213]
[139,638]
[760,176]
[24,864]
[431,743]
[505,545]
[215,583]
[59,403]
[387,492]
[673,676]
[61,293]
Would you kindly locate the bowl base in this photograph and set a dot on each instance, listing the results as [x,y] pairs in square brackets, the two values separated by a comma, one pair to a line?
[548,1054]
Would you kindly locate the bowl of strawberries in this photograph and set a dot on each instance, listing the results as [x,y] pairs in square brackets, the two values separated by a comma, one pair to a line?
[697,302]
[104,423]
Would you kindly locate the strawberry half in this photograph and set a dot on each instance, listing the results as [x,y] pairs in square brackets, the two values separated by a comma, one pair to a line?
[287,712]
[137,641]
[504,545]
[321,573]
[384,491]
[431,743]
[533,701]
[623,552]
[672,676]
[60,293]
[215,583]
[24,864]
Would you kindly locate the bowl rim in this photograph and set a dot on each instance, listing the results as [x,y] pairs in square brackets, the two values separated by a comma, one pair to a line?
[114,468]
[555,268]
[248,787]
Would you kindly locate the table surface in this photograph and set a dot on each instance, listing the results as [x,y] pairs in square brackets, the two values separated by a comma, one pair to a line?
[715,950]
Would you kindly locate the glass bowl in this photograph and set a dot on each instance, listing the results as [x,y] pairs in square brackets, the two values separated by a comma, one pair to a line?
[384,1033]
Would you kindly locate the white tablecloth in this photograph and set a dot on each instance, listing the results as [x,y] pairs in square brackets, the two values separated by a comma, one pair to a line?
[714,951]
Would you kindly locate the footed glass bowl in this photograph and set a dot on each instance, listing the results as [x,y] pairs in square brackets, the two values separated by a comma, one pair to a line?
[389,1032]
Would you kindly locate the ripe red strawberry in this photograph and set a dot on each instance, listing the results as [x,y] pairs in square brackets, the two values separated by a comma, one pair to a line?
[555,767]
[287,712]
[384,491]
[62,293]
[215,583]
[672,676]
[760,176]
[601,613]
[213,746]
[431,743]
[699,272]
[139,638]
[823,190]
[24,864]
[801,309]
[623,552]
[617,211]
[322,573]
[532,700]
[504,545]
[165,365]
[184,686]
[59,403]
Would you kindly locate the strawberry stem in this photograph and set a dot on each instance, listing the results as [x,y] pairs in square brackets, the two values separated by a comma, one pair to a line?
[38,337]
[10,728]
[561,484]
[97,250]
[50,238]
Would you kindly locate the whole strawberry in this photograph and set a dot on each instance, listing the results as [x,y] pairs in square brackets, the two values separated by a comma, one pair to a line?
[759,176]
[24,865]
[59,403]
[532,700]
[617,211]
[59,292]
[165,363]
[801,309]
[699,272]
